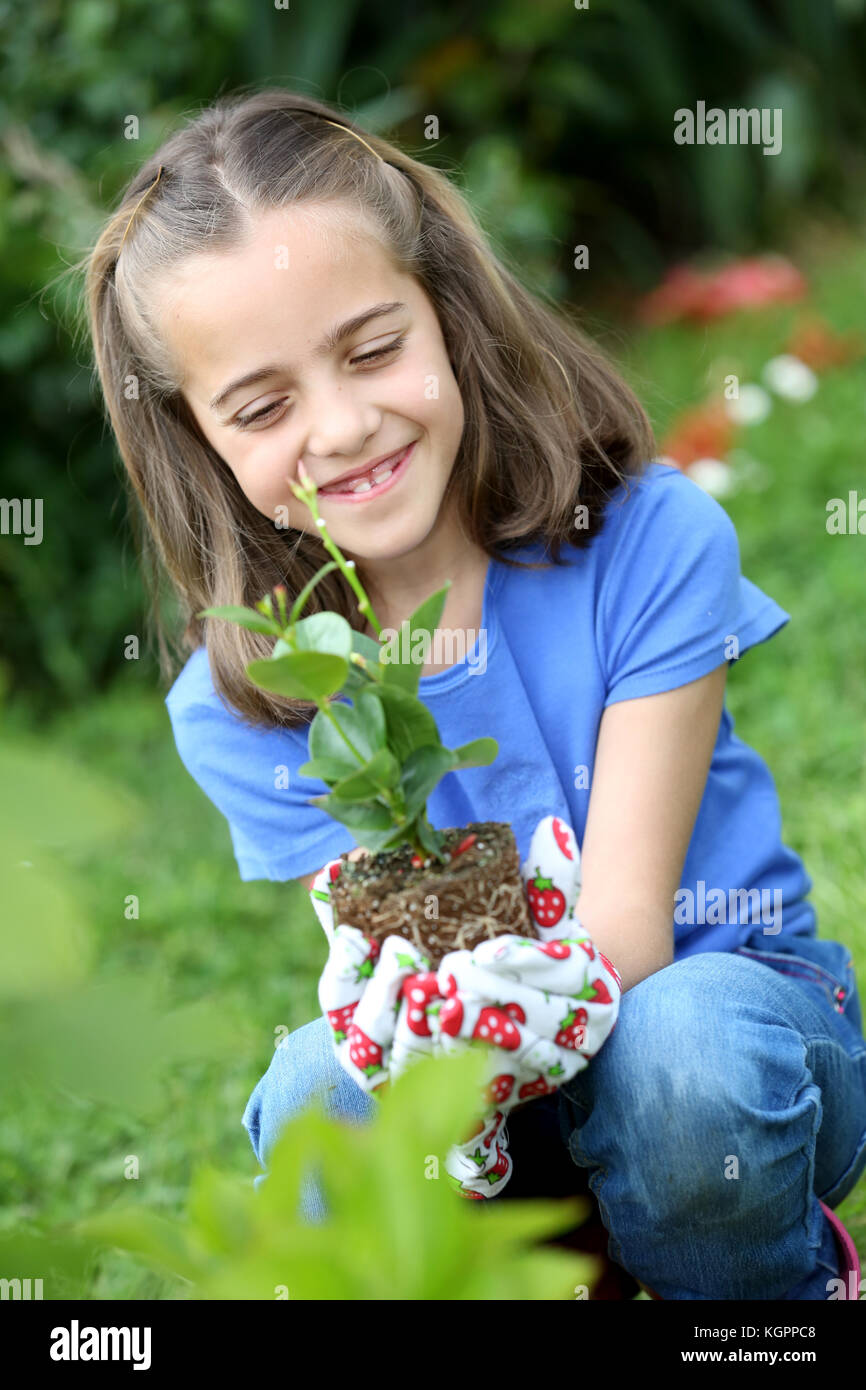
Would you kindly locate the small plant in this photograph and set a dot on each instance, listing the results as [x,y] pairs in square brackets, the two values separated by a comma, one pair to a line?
[381,756]
[375,744]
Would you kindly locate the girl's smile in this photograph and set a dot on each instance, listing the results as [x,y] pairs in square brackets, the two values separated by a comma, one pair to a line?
[375,482]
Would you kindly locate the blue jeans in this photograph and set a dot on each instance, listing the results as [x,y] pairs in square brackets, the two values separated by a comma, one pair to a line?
[729,1099]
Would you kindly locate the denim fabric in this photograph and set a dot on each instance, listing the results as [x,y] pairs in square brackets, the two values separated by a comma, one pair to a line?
[729,1099]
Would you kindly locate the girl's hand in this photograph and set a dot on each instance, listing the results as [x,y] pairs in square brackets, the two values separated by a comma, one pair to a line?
[544,1006]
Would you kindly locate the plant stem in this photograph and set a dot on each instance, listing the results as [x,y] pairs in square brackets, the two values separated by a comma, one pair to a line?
[361,661]
[298,606]
[307,493]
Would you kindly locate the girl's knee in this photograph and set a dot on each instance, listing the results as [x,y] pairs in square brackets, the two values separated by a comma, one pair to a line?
[690,1056]
[303,1069]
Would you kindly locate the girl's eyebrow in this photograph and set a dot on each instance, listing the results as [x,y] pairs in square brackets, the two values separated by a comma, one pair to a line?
[334,336]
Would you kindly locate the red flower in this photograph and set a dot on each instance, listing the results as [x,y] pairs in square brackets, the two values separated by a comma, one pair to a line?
[706,431]
[814,342]
[689,293]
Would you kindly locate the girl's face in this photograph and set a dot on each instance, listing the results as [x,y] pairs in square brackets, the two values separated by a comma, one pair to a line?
[275,308]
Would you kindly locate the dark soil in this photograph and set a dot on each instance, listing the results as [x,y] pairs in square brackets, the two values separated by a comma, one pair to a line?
[477,895]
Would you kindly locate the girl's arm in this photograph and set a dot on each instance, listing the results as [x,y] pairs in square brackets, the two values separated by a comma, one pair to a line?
[652,759]
[651,763]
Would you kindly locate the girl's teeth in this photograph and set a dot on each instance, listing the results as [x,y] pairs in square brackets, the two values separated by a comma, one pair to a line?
[378,475]
[375,476]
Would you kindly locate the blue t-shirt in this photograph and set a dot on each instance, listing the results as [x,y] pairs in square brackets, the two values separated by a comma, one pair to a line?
[653,602]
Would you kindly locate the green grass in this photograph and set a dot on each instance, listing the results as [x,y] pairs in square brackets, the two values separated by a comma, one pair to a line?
[257,947]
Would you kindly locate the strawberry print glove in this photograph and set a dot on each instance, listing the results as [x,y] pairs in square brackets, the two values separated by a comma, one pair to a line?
[544,1006]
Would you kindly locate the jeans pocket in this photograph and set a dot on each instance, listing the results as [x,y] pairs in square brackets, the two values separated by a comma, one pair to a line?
[821,961]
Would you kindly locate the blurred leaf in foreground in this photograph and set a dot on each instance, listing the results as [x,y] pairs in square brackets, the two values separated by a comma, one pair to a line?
[395,1229]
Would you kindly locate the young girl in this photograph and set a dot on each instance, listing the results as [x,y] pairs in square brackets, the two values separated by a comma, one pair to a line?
[277,290]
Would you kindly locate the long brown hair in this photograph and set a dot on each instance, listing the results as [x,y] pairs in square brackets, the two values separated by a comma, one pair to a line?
[549,423]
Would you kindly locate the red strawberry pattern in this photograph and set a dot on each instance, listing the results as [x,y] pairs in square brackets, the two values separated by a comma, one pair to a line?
[500,1089]
[612,968]
[451,1017]
[419,991]
[368,964]
[538,1087]
[557,950]
[546,902]
[500,1168]
[602,994]
[340,1019]
[495,1026]
[366,1054]
[572,1029]
[494,1129]
[515,1011]
[562,836]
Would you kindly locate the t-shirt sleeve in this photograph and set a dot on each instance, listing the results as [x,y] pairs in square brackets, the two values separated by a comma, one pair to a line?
[250,775]
[673,604]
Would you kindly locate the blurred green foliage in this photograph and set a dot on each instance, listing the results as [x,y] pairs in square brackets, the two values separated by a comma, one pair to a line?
[557,120]
[395,1229]
[73,1030]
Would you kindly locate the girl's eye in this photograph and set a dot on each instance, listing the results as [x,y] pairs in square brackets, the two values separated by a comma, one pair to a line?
[267,412]
[382,352]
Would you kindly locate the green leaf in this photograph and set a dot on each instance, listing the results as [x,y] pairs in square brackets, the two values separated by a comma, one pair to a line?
[159,1241]
[431,839]
[395,1229]
[357,815]
[324,632]
[363,723]
[305,675]
[406,674]
[245,617]
[326,769]
[380,774]
[366,646]
[378,840]
[408,722]
[423,769]
[478,753]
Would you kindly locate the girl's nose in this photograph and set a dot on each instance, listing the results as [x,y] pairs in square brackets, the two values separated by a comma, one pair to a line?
[340,423]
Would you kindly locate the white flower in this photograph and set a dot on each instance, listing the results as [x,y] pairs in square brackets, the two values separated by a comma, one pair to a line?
[790,378]
[751,407]
[714,476]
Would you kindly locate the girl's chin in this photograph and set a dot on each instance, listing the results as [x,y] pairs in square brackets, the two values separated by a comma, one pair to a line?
[393,548]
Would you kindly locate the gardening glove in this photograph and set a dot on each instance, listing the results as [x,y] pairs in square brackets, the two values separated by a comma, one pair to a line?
[545,1006]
